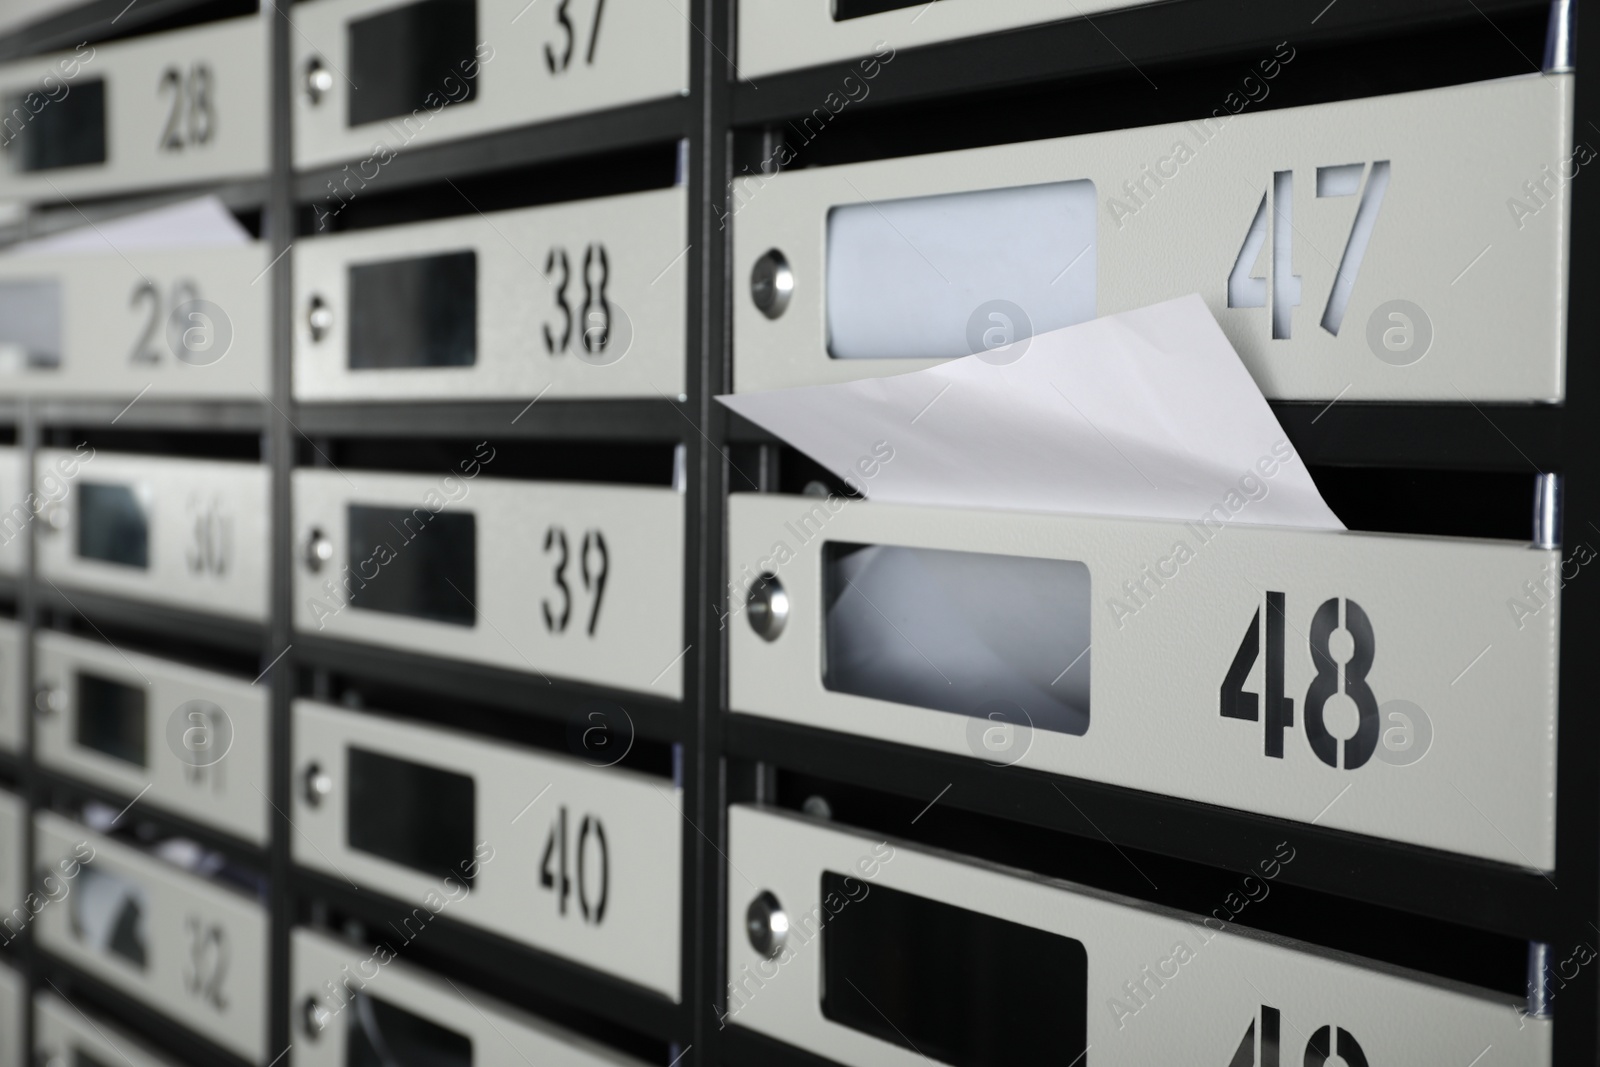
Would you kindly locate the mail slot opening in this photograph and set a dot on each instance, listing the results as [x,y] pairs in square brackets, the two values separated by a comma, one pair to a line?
[68,131]
[111,719]
[30,325]
[989,636]
[81,1058]
[109,914]
[420,57]
[844,10]
[939,277]
[957,986]
[414,561]
[112,525]
[420,312]
[380,1033]
[409,813]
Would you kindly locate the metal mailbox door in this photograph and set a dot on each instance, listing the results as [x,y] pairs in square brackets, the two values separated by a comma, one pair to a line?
[165,109]
[553,578]
[1405,247]
[824,923]
[1361,681]
[572,859]
[574,300]
[479,66]
[191,741]
[346,1001]
[190,533]
[146,323]
[190,949]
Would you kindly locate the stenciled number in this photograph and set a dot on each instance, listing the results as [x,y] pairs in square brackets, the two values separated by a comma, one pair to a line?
[147,292]
[559,63]
[595,311]
[207,967]
[594,583]
[191,119]
[594,889]
[555,537]
[211,538]
[593,577]
[1325,1042]
[558,258]
[1246,290]
[1331,677]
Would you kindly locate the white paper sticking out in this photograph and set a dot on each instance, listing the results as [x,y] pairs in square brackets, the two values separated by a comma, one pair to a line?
[200,223]
[1146,414]
[928,277]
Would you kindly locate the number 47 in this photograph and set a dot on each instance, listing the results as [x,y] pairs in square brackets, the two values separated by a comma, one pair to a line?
[1246,290]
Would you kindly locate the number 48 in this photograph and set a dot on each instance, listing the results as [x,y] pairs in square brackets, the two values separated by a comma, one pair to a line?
[1349,678]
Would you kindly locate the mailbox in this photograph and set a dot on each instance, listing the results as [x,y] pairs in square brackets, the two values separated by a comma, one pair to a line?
[373,77]
[1407,247]
[870,952]
[1397,686]
[580,861]
[194,742]
[348,1001]
[152,323]
[556,579]
[165,109]
[444,309]
[63,1034]
[189,947]
[189,533]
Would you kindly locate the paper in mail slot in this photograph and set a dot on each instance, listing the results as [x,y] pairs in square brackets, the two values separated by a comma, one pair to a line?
[1144,414]
[204,222]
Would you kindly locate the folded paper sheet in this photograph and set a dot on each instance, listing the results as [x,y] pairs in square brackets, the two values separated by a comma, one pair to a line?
[203,222]
[1146,414]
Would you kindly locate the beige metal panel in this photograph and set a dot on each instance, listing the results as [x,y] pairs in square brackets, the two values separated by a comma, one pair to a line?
[327,974]
[612,836]
[205,946]
[1456,633]
[206,523]
[16,510]
[1483,282]
[636,612]
[205,734]
[128,325]
[181,108]
[13,1008]
[531,283]
[12,663]
[62,1033]
[13,864]
[1196,1015]
[639,49]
